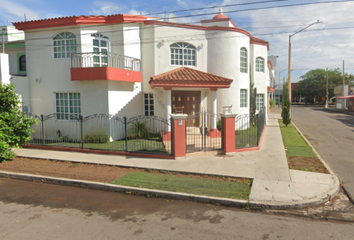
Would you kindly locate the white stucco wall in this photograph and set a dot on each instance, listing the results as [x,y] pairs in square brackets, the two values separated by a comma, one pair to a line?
[224,51]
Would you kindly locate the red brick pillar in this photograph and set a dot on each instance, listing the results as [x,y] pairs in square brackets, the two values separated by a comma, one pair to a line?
[179,135]
[228,134]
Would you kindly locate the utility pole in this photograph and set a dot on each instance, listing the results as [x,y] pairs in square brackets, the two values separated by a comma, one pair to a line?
[3,30]
[326,106]
[343,100]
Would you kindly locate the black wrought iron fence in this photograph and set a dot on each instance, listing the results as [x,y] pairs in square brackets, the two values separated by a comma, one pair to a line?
[102,132]
[249,129]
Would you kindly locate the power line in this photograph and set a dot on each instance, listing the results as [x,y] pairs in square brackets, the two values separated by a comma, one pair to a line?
[226,5]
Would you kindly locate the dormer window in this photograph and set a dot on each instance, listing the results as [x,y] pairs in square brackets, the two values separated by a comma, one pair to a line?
[183,54]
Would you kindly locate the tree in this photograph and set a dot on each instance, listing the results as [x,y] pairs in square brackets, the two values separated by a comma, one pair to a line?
[253,93]
[285,106]
[15,127]
[313,83]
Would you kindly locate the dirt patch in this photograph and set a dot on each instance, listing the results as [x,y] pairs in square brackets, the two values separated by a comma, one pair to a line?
[89,172]
[306,164]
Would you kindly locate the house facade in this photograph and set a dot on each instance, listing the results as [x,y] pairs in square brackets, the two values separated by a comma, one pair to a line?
[129,65]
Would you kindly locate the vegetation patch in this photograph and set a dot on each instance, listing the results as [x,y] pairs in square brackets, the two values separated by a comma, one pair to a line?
[300,155]
[223,187]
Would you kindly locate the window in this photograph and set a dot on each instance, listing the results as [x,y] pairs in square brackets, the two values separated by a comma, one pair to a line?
[22,63]
[182,54]
[243,97]
[259,64]
[100,48]
[67,103]
[259,101]
[149,104]
[64,45]
[243,60]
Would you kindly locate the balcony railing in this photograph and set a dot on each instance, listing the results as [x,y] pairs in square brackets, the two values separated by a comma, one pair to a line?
[104,59]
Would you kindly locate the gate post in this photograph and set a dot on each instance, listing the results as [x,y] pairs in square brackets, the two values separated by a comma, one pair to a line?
[228,133]
[179,135]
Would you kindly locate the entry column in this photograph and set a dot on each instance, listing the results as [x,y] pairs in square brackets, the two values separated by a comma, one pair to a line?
[179,135]
[228,130]
[214,132]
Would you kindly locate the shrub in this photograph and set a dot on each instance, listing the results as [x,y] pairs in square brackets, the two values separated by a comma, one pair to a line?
[271,102]
[218,125]
[15,127]
[139,130]
[286,105]
[96,137]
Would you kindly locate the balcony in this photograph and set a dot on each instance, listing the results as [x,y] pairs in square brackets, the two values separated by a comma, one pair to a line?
[104,66]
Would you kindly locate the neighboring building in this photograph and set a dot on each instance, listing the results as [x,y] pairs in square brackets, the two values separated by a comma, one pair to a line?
[13,66]
[347,98]
[129,65]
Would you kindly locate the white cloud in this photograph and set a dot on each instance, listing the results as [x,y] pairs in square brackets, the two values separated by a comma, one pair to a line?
[14,11]
[182,4]
[107,8]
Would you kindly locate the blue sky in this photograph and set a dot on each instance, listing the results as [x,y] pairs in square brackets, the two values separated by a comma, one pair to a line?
[324,45]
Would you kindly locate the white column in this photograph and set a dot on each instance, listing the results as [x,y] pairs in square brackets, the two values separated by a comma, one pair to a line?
[4,69]
[213,99]
[168,107]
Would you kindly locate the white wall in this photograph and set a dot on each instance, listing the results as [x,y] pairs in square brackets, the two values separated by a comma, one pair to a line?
[224,60]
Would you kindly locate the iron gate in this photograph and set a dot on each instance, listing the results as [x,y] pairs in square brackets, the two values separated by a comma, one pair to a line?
[203,132]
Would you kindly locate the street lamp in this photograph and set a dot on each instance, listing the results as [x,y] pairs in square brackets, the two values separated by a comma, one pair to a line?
[289,62]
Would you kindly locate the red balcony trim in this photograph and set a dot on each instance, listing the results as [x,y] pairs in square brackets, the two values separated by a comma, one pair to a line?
[105,73]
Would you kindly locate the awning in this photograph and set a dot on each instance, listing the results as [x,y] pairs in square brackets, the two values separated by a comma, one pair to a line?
[189,78]
[270,89]
[345,97]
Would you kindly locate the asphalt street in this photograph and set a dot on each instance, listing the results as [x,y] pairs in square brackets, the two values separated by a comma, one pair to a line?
[33,210]
[332,134]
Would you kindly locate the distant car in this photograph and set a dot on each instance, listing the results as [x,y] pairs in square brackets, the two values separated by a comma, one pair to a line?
[332,100]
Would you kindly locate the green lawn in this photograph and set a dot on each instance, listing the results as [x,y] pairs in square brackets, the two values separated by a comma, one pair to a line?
[246,137]
[215,188]
[145,145]
[294,143]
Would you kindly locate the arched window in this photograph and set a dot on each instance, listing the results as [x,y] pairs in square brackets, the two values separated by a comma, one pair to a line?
[182,54]
[64,45]
[243,60]
[100,49]
[22,63]
[259,64]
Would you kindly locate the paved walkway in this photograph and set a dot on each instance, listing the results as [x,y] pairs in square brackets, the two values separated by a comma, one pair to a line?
[274,185]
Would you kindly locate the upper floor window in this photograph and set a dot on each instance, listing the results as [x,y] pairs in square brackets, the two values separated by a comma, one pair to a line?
[182,54]
[100,48]
[243,60]
[22,63]
[64,45]
[259,64]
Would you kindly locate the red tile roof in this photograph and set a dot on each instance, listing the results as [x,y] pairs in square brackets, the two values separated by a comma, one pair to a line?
[189,77]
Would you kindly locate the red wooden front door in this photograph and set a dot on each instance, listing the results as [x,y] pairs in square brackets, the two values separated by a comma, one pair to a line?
[190,102]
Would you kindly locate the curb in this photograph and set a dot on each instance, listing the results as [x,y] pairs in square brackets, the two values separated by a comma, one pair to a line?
[336,179]
[124,189]
[166,194]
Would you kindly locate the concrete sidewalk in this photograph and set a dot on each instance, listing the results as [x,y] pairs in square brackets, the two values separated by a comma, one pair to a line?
[274,185]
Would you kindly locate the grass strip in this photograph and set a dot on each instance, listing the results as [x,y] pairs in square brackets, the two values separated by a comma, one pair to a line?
[214,188]
[294,143]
